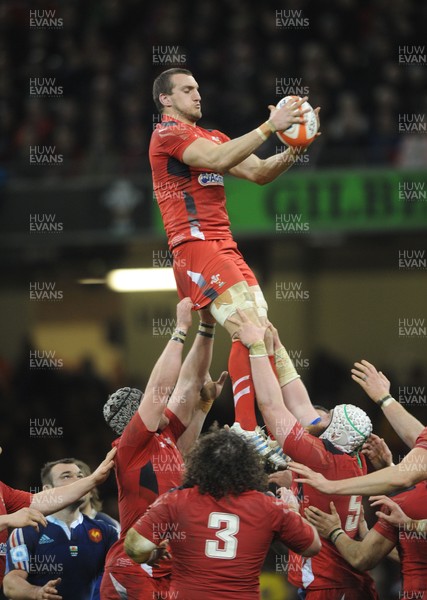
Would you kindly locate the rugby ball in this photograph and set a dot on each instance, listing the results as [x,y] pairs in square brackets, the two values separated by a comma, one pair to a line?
[299,134]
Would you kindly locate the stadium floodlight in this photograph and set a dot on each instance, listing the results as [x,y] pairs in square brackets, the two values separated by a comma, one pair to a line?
[141,280]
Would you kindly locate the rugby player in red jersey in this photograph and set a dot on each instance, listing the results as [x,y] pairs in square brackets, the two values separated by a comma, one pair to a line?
[188,164]
[152,435]
[410,471]
[326,576]
[220,523]
[411,541]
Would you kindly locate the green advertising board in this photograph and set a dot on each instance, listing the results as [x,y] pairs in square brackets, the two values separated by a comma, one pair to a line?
[328,201]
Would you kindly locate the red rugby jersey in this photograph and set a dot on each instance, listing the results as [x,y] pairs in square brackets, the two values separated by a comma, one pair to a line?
[11,500]
[147,464]
[219,546]
[328,569]
[412,546]
[191,200]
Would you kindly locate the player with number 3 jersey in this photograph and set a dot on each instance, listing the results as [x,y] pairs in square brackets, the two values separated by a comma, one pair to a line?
[220,524]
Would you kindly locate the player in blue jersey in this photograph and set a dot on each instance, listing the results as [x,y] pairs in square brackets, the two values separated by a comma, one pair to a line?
[92,507]
[64,558]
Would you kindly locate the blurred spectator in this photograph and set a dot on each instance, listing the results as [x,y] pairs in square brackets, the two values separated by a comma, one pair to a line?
[107,54]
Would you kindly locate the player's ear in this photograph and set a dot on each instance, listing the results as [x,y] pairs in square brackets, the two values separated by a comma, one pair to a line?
[47,486]
[165,100]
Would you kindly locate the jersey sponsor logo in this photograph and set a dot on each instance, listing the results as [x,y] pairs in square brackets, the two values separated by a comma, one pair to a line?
[74,550]
[19,554]
[3,549]
[45,539]
[210,179]
[95,535]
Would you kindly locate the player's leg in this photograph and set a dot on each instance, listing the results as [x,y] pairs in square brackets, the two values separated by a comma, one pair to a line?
[223,308]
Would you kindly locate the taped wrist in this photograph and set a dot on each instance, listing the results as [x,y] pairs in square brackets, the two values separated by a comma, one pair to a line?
[206,329]
[179,336]
[257,349]
[286,371]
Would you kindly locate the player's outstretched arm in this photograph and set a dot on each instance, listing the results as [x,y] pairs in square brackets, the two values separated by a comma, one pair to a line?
[377,386]
[16,587]
[54,499]
[410,471]
[165,373]
[267,390]
[194,371]
[205,154]
[362,555]
[294,392]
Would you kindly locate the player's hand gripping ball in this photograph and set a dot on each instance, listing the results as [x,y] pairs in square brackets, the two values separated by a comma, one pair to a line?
[299,134]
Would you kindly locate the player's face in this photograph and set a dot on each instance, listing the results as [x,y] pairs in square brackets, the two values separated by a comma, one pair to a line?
[63,474]
[185,100]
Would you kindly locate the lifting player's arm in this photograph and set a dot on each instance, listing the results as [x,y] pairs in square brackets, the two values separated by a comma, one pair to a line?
[165,373]
[194,392]
[294,392]
[267,390]
[362,555]
[377,386]
[205,154]
[194,371]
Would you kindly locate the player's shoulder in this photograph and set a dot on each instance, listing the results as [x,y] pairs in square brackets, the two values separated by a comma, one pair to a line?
[99,530]
[26,535]
[102,516]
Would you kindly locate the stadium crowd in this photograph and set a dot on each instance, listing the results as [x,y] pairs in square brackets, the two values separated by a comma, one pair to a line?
[83,87]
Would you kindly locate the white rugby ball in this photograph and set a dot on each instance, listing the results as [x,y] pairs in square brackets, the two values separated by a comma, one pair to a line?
[299,134]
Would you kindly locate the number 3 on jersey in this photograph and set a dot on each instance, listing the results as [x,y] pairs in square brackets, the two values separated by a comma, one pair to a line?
[354,506]
[227,549]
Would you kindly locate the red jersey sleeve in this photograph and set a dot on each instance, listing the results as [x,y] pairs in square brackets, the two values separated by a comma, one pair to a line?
[305,448]
[175,427]
[296,534]
[421,441]
[14,499]
[175,137]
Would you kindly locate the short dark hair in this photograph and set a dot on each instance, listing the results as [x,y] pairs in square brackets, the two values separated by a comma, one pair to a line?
[221,463]
[46,476]
[163,84]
